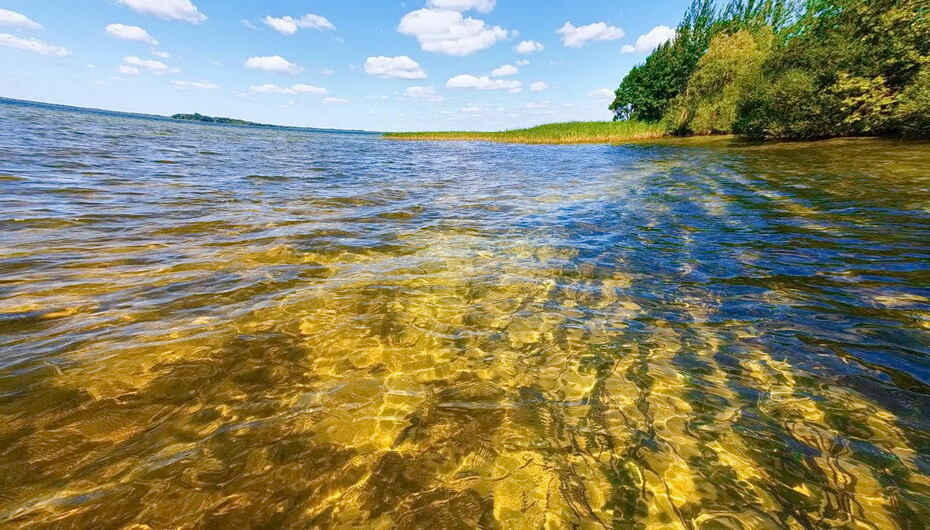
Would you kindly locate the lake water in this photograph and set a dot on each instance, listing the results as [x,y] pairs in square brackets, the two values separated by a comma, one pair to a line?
[220,327]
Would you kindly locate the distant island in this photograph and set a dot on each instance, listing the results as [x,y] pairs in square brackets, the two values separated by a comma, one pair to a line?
[221,121]
[200,118]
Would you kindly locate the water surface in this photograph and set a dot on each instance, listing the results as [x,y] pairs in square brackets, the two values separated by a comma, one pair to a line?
[223,327]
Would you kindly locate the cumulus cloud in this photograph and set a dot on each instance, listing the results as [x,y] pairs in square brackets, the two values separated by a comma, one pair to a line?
[529,46]
[423,92]
[539,86]
[162,55]
[481,6]
[336,101]
[121,31]
[202,85]
[576,37]
[17,20]
[135,63]
[656,37]
[504,71]
[402,67]
[182,10]
[274,63]
[483,83]
[291,90]
[125,69]
[32,45]
[602,93]
[448,32]
[290,25]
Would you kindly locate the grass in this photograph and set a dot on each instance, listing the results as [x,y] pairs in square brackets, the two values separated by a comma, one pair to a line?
[594,132]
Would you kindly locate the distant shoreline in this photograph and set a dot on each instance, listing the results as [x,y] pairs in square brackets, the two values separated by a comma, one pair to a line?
[226,122]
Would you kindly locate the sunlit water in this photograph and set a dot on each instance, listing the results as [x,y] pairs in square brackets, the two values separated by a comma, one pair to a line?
[216,327]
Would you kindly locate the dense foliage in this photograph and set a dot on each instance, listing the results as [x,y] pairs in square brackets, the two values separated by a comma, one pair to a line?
[779,69]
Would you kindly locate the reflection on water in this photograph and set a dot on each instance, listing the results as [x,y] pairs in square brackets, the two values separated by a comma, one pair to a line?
[208,327]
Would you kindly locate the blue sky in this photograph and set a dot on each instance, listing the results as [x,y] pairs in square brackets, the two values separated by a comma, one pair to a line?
[361,64]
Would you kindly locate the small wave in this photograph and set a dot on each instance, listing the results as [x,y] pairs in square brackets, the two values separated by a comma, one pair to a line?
[267,177]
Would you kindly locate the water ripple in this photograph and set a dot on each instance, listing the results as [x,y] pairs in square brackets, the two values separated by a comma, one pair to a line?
[229,327]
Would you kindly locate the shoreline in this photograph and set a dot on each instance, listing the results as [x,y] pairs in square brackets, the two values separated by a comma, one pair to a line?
[551,134]
[490,138]
[521,137]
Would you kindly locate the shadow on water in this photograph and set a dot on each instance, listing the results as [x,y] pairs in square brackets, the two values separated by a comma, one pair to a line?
[344,332]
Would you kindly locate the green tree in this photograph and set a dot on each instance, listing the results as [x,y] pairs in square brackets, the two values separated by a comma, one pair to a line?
[645,93]
[730,70]
[847,64]
[913,112]
[648,90]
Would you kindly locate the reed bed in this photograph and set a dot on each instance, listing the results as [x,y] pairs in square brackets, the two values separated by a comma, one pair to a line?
[556,133]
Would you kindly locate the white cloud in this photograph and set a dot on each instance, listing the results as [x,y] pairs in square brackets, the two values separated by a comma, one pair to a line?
[483,83]
[504,71]
[529,46]
[602,93]
[275,63]
[290,25]
[471,109]
[523,62]
[292,90]
[481,6]
[153,66]
[32,45]
[269,89]
[129,70]
[248,23]
[162,55]
[423,92]
[202,85]
[17,20]
[327,71]
[402,67]
[167,9]
[536,105]
[448,32]
[121,31]
[576,37]
[656,37]
[336,101]
[539,86]
[308,89]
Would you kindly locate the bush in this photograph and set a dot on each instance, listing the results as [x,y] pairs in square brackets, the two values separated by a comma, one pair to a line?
[913,112]
[729,71]
[790,107]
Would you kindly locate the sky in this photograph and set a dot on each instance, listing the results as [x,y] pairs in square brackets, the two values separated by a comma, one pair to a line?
[423,65]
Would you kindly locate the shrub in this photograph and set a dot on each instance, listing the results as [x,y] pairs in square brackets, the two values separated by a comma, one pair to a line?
[913,112]
[729,71]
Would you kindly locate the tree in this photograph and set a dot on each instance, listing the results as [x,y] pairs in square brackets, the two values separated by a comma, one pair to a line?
[645,93]
[729,70]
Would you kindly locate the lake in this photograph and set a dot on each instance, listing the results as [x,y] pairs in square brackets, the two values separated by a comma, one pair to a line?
[224,327]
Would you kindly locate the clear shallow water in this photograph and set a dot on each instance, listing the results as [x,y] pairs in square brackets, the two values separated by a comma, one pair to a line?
[215,327]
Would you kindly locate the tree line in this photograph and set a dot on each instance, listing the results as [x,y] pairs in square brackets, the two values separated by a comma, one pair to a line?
[788,69]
